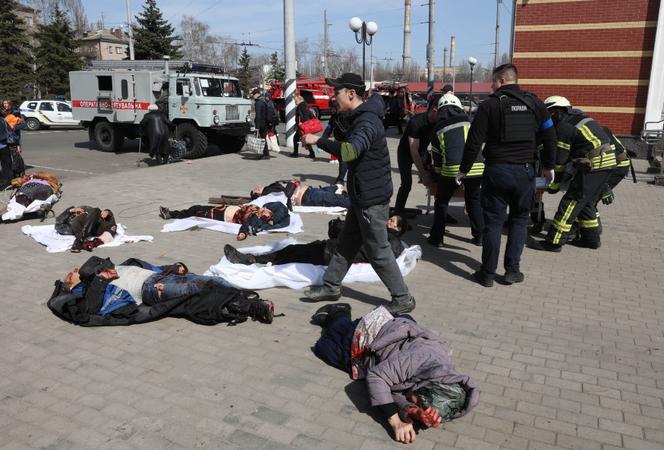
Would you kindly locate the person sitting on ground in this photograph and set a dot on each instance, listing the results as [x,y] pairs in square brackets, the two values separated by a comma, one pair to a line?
[300,194]
[319,252]
[91,226]
[137,291]
[253,218]
[408,370]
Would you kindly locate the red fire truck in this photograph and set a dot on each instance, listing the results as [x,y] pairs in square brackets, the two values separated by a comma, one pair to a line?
[314,91]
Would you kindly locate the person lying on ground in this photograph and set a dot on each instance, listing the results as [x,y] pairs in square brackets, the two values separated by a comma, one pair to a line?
[91,226]
[408,370]
[253,218]
[300,194]
[137,291]
[32,187]
[318,252]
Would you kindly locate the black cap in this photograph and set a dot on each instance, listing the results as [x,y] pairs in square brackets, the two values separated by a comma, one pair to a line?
[447,88]
[348,81]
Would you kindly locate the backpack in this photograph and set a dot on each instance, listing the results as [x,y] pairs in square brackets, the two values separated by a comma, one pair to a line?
[272,117]
[219,304]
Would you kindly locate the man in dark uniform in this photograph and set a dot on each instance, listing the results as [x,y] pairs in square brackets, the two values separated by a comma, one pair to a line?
[508,124]
[155,127]
[260,119]
[413,149]
[369,188]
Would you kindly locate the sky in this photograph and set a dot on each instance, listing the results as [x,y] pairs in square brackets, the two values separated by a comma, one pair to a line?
[261,22]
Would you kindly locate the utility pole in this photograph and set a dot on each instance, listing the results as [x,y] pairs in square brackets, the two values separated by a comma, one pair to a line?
[430,49]
[444,64]
[325,43]
[453,60]
[496,48]
[513,30]
[406,38]
[289,60]
[130,31]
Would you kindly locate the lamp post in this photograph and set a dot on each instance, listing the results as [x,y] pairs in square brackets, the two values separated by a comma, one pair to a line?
[364,32]
[471,61]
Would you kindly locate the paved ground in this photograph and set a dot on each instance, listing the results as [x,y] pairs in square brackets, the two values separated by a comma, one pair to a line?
[572,358]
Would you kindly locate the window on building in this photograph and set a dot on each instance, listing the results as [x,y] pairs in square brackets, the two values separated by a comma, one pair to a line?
[119,50]
[105,82]
[110,49]
[63,107]
[28,21]
[46,106]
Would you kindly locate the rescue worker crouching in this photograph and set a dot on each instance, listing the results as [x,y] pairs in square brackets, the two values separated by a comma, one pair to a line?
[586,145]
[508,123]
[447,144]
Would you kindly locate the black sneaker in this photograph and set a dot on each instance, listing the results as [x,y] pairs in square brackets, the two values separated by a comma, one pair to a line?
[263,311]
[545,246]
[164,213]
[322,294]
[321,316]
[513,277]
[586,244]
[237,257]
[483,279]
[438,243]
[477,240]
[77,246]
[401,307]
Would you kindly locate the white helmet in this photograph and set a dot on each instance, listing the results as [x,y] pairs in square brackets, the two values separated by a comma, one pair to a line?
[449,99]
[557,101]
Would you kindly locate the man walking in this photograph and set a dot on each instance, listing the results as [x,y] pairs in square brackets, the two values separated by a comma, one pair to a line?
[370,189]
[508,123]
[261,119]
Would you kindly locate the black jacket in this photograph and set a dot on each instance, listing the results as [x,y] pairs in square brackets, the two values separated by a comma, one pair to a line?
[260,120]
[487,126]
[155,126]
[365,150]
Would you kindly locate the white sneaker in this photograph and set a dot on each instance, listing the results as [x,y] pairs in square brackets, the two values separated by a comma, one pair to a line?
[334,161]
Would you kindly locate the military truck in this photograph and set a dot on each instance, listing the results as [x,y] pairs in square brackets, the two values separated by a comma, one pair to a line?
[111,97]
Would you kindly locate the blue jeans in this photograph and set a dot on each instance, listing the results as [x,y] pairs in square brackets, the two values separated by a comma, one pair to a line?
[175,286]
[505,185]
[325,196]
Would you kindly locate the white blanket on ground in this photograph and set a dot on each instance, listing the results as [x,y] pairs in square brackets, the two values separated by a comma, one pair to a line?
[298,275]
[332,210]
[295,225]
[56,243]
[15,210]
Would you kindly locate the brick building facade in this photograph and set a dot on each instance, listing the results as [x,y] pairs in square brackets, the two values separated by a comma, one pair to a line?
[597,53]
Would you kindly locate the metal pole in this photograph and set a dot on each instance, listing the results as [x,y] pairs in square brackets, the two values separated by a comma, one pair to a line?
[371,66]
[513,30]
[130,31]
[289,60]
[496,47]
[364,45]
[406,38]
[325,43]
[444,64]
[470,96]
[430,48]
[453,61]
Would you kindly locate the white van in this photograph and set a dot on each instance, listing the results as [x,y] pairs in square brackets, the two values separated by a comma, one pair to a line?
[47,113]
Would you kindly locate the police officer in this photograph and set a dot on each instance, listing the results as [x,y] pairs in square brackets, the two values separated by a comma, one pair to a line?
[369,188]
[508,124]
[447,144]
[413,149]
[587,146]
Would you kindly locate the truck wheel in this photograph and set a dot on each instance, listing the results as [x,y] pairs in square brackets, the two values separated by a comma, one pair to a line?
[195,139]
[108,138]
[230,144]
[32,124]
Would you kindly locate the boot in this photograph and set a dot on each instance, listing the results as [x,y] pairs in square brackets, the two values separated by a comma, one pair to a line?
[237,257]
[77,246]
[164,213]
[322,294]
[397,308]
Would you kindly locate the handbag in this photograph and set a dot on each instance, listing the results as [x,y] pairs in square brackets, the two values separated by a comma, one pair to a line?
[273,143]
[311,126]
[255,144]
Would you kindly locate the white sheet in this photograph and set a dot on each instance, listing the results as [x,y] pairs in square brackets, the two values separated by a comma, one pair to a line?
[332,210]
[297,275]
[15,210]
[56,243]
[295,225]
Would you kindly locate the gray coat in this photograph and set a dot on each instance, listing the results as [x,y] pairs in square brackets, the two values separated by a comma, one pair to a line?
[407,357]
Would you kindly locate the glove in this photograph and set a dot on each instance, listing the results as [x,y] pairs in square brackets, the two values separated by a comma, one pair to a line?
[553,188]
[607,198]
[459,178]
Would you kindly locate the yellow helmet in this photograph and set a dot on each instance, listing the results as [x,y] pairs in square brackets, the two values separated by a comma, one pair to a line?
[449,99]
[557,101]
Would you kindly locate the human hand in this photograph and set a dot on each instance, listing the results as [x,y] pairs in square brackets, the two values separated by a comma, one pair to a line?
[310,139]
[608,198]
[549,174]
[109,274]
[428,417]
[403,431]
[426,179]
[19,150]
[77,210]
[459,178]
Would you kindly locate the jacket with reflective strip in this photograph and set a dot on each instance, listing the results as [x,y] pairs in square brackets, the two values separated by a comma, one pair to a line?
[447,144]
[582,137]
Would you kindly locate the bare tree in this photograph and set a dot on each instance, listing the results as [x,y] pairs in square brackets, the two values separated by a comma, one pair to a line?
[197,43]
[72,8]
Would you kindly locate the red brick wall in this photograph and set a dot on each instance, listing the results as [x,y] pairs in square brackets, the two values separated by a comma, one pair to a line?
[610,66]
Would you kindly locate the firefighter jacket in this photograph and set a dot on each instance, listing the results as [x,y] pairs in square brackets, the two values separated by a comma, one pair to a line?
[580,136]
[448,139]
[622,158]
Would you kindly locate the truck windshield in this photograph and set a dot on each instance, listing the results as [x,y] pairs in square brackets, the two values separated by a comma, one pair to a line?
[215,87]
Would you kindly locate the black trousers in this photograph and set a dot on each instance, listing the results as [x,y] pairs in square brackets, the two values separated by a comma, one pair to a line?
[6,164]
[446,187]
[262,133]
[209,212]
[311,253]
[296,141]
[579,202]
[405,163]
